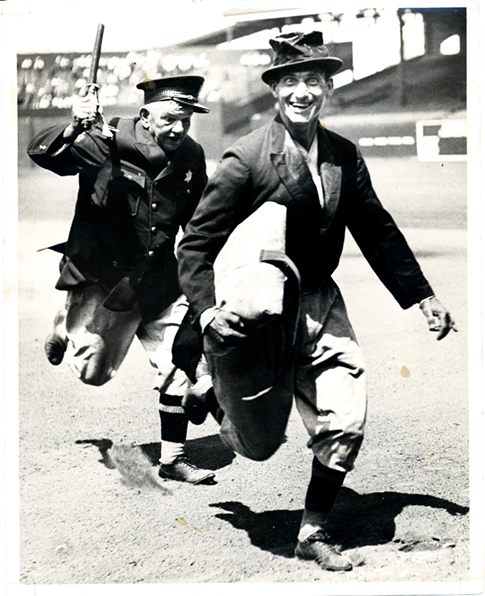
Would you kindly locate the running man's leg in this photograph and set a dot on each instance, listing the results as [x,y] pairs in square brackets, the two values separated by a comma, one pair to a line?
[330,380]
[98,339]
[157,337]
[253,386]
[331,399]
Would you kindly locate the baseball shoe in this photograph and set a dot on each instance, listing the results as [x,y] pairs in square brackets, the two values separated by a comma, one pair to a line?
[55,347]
[316,548]
[183,469]
[56,344]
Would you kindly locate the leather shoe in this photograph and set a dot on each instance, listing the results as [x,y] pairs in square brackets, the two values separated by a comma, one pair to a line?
[183,470]
[55,347]
[317,548]
[56,344]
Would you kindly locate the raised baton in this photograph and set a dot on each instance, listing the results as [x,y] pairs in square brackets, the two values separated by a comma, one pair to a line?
[93,73]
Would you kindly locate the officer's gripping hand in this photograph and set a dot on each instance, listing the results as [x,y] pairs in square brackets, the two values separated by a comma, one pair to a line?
[438,317]
[84,113]
[224,332]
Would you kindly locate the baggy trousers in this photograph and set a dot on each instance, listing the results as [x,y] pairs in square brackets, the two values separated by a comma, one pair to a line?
[255,383]
[99,339]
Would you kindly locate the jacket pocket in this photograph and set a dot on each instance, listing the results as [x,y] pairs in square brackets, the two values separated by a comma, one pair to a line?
[120,189]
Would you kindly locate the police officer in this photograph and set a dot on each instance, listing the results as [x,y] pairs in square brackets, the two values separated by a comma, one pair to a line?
[140,180]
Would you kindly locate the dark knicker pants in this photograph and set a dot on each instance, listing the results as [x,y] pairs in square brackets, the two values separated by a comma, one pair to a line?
[321,366]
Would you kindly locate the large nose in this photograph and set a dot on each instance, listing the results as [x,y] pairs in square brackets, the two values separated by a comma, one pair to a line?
[301,90]
[178,127]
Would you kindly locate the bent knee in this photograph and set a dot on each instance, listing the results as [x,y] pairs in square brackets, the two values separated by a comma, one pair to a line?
[95,377]
[262,454]
[91,360]
[257,450]
[96,380]
[91,372]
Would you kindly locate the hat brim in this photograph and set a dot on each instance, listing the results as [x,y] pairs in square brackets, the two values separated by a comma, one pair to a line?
[184,89]
[197,107]
[328,65]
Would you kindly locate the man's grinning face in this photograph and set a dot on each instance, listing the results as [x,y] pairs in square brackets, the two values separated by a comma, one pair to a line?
[301,96]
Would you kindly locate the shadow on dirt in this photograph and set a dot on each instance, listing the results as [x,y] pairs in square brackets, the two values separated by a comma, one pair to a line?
[357,520]
[104,445]
[273,531]
[206,452]
[364,520]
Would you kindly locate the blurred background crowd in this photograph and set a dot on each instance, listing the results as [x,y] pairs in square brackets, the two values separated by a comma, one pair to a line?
[401,91]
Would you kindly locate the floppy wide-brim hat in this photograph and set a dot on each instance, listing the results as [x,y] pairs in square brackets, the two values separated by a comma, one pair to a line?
[300,50]
[182,89]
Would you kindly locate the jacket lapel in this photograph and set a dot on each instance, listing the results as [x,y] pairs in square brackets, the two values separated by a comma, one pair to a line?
[291,167]
[331,175]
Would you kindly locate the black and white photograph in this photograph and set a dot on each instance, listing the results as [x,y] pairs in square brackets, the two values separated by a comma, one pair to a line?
[242,308]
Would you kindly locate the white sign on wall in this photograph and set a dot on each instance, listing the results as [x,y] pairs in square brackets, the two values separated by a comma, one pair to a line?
[441,140]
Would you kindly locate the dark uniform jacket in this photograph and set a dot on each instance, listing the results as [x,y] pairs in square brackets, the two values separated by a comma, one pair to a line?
[132,200]
[259,168]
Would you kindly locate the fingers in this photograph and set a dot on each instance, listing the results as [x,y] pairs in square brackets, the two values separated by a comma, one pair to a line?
[443,333]
[446,325]
[227,327]
[433,323]
[229,319]
[223,333]
[85,110]
[228,324]
[89,90]
[439,319]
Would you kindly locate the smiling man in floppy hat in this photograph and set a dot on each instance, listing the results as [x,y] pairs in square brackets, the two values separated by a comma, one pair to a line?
[322,181]
[139,183]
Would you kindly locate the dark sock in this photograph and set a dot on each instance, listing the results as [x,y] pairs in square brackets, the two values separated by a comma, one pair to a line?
[173,420]
[324,487]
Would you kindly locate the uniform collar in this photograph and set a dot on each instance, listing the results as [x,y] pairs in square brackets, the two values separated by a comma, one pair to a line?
[149,148]
[163,162]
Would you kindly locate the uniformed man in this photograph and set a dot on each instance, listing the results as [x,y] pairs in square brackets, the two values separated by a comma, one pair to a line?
[139,182]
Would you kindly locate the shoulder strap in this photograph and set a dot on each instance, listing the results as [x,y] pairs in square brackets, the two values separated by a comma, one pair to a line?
[122,149]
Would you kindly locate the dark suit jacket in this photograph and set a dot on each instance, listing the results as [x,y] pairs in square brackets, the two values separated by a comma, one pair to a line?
[132,201]
[258,168]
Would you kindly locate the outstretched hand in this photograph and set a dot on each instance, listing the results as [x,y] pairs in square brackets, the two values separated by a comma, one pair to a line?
[438,317]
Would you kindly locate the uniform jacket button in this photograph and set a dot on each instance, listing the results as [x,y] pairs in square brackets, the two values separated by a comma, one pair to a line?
[154,206]
[150,253]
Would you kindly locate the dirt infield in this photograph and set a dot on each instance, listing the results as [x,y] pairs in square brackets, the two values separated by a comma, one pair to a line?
[90,511]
